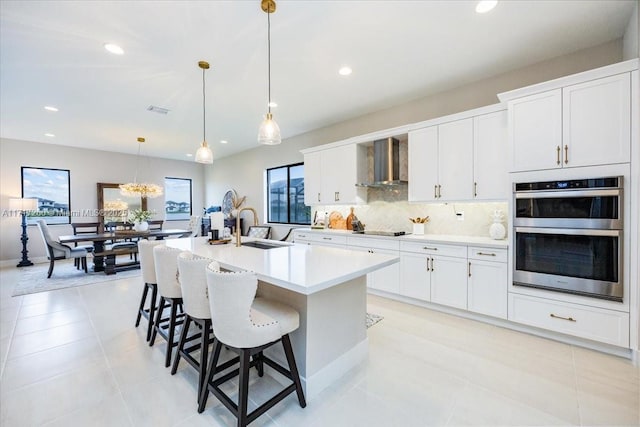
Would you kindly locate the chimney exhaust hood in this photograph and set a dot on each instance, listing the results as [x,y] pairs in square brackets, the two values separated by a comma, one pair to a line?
[386,164]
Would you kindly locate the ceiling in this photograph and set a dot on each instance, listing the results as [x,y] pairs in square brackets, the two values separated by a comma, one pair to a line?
[51,53]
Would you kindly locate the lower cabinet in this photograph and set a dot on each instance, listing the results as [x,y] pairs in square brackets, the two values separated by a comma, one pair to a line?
[415,276]
[387,278]
[487,282]
[593,323]
[449,281]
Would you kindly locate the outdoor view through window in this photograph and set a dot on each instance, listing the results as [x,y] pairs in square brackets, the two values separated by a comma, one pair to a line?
[285,195]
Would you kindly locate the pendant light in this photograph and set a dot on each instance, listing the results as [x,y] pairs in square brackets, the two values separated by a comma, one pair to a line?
[136,189]
[269,133]
[204,153]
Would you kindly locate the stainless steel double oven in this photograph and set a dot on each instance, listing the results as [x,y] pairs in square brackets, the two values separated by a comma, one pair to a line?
[568,236]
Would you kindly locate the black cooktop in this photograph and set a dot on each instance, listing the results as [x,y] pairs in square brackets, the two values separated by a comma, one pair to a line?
[382,233]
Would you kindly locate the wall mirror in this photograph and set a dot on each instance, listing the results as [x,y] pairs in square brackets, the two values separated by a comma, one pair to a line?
[113,206]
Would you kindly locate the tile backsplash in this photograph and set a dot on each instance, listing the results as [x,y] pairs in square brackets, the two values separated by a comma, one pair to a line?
[388,210]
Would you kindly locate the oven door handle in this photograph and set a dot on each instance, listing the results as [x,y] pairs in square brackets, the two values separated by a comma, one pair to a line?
[569,231]
[554,194]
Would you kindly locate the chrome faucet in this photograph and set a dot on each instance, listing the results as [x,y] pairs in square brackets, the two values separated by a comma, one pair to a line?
[238,230]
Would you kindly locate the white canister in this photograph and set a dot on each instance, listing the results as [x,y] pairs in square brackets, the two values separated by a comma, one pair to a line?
[418,228]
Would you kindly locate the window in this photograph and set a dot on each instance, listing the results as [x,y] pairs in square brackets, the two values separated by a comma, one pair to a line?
[177,199]
[285,195]
[51,188]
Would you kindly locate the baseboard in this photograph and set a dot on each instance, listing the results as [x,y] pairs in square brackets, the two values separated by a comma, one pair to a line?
[626,353]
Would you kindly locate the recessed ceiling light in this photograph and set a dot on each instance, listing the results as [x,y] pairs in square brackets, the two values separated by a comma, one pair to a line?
[50,135]
[50,108]
[345,71]
[223,141]
[272,104]
[485,6]
[114,48]
[189,155]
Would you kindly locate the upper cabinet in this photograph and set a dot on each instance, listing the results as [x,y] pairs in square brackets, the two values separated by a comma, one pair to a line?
[583,124]
[331,175]
[461,159]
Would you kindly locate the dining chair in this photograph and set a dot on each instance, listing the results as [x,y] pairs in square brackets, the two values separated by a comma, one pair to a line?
[247,326]
[57,251]
[80,228]
[123,243]
[259,231]
[155,224]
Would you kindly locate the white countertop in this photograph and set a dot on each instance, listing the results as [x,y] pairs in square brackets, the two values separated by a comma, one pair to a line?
[439,238]
[300,268]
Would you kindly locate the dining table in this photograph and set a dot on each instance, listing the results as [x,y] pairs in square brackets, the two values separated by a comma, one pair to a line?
[99,240]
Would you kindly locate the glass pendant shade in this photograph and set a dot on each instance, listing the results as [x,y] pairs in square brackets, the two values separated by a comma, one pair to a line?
[204,154]
[269,132]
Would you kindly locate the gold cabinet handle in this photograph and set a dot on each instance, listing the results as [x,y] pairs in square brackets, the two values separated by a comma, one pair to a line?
[486,253]
[475,189]
[566,154]
[558,155]
[469,269]
[570,319]
[427,248]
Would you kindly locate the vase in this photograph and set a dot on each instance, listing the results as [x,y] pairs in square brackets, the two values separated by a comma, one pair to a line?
[141,225]
[418,228]
[497,231]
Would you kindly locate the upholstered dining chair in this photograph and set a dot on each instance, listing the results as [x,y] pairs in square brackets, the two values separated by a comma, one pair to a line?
[247,325]
[259,231]
[194,226]
[57,251]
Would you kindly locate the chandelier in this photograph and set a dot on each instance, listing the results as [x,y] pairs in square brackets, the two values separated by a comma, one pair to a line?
[269,132]
[136,189]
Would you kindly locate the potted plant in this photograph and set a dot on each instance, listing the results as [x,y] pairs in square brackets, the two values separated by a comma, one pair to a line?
[139,217]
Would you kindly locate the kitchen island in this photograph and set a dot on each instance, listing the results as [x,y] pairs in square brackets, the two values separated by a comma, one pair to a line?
[326,285]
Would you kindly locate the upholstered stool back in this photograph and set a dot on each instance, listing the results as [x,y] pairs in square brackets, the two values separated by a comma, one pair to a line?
[147,263]
[166,265]
[193,281]
[231,295]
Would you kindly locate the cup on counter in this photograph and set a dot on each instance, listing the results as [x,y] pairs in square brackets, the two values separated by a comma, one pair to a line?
[214,235]
[418,228]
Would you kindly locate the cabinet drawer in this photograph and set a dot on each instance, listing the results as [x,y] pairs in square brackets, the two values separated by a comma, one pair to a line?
[608,326]
[366,242]
[320,238]
[434,249]
[487,254]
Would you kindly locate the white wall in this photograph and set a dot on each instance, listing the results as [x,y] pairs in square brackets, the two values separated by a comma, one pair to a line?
[631,39]
[87,167]
[244,171]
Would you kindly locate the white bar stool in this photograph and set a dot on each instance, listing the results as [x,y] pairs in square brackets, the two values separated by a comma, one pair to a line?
[148,267]
[247,326]
[195,299]
[166,266]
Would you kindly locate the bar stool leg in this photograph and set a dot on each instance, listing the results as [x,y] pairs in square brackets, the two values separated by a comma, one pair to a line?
[183,339]
[143,299]
[152,310]
[243,390]
[211,372]
[204,352]
[156,323]
[293,368]
[172,329]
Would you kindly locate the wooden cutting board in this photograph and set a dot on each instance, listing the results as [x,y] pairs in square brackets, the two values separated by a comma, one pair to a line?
[336,221]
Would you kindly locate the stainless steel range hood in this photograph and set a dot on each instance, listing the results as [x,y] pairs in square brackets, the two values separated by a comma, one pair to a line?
[386,164]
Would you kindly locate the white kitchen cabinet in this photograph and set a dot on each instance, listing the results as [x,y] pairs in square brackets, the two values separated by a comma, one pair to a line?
[593,323]
[312,178]
[455,160]
[423,164]
[415,276]
[331,175]
[320,239]
[585,124]
[449,281]
[385,279]
[490,148]
[487,281]
[597,122]
[535,131]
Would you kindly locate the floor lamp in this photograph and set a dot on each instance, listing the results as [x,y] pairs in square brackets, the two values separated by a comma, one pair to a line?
[24,205]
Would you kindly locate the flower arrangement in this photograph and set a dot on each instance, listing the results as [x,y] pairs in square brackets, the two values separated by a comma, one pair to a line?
[419,220]
[139,215]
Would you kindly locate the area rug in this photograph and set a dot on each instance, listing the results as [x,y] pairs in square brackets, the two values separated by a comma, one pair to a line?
[372,319]
[34,279]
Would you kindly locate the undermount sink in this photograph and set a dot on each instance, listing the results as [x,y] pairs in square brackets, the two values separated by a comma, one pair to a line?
[261,245]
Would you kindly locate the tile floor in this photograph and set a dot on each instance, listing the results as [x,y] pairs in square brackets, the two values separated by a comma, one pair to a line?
[73,358]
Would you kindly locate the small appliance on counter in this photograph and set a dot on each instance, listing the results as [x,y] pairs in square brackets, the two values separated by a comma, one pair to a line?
[320,220]
[357,226]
